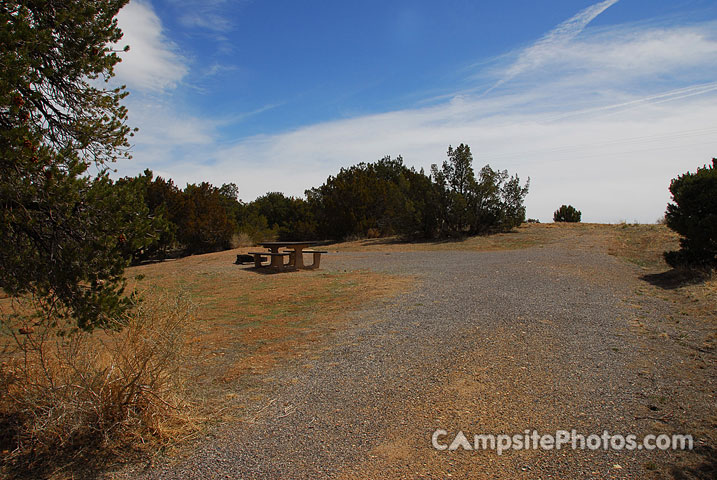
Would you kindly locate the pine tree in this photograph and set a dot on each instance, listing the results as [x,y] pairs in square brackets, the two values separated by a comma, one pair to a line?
[64,230]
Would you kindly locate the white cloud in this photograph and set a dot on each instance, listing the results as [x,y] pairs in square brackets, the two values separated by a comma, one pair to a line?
[645,52]
[153,69]
[152,64]
[621,55]
[614,165]
[161,124]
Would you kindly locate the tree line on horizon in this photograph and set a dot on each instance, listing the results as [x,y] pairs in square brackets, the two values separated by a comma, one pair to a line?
[383,198]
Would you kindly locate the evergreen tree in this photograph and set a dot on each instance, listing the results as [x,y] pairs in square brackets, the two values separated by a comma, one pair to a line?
[384,197]
[64,232]
[694,216]
[290,218]
[205,225]
[469,205]
[567,213]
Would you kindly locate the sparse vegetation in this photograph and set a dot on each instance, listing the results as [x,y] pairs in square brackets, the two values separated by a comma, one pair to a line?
[642,244]
[204,328]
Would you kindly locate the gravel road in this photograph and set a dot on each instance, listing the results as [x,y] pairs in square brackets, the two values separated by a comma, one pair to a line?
[486,343]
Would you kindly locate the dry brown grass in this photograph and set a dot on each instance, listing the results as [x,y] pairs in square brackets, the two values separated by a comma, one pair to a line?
[248,322]
[640,244]
[69,394]
[242,240]
[643,245]
[71,403]
[525,236]
[520,238]
[168,374]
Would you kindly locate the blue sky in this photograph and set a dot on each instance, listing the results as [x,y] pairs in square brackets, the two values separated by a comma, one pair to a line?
[600,103]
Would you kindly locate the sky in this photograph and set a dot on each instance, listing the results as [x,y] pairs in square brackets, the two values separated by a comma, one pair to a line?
[599,103]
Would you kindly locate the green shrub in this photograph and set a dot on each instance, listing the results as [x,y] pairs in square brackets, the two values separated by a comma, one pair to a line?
[567,213]
[694,216]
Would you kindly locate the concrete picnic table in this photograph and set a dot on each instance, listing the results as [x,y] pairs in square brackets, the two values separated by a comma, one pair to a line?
[297,258]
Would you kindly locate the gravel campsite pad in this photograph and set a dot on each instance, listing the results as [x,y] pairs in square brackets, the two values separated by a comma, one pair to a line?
[544,338]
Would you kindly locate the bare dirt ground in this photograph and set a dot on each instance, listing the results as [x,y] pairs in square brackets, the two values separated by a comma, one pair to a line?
[570,327]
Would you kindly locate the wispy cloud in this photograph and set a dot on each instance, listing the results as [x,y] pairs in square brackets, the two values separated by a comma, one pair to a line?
[208,20]
[663,97]
[218,69]
[152,64]
[207,14]
[211,19]
[242,116]
[536,54]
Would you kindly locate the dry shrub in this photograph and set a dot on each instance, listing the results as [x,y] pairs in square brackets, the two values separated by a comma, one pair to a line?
[252,234]
[242,239]
[75,390]
[354,237]
[373,233]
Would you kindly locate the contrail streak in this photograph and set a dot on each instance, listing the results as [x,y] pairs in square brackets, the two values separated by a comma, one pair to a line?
[677,94]
[563,33]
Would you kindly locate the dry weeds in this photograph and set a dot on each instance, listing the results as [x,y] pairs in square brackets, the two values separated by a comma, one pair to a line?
[249,322]
[166,375]
[525,236]
[643,245]
[69,393]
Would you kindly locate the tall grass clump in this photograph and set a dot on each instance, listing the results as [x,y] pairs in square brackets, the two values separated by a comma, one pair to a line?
[69,392]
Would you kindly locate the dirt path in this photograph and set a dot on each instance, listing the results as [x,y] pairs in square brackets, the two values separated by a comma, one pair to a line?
[539,339]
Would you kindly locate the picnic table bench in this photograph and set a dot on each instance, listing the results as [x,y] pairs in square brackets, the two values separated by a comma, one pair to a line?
[296,255]
[277,258]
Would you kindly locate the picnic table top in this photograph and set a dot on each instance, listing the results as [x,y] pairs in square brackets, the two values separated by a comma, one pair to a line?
[285,244]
